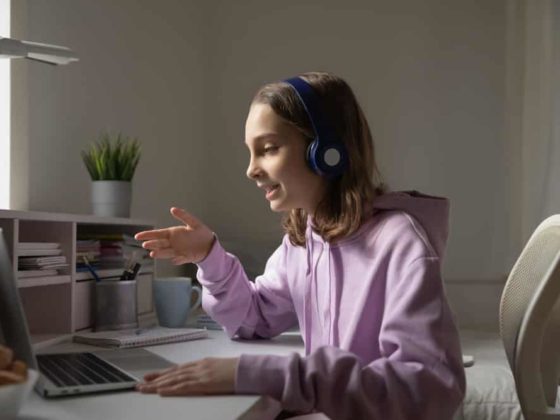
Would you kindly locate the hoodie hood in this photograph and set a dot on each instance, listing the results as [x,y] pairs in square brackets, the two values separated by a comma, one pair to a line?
[431,212]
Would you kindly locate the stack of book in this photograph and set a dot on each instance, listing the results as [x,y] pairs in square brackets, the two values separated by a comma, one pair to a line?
[118,250]
[40,259]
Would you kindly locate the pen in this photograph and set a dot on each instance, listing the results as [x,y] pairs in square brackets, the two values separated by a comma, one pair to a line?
[90,268]
[135,270]
[131,268]
[130,273]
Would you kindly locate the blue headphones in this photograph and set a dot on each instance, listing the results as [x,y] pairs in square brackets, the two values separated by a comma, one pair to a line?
[326,154]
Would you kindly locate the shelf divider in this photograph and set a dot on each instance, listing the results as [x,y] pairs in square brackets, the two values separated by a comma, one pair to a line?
[43,281]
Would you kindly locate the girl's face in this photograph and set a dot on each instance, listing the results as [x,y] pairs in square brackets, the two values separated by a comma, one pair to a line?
[277,162]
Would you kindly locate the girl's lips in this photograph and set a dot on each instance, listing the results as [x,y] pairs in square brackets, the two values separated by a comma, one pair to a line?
[271,191]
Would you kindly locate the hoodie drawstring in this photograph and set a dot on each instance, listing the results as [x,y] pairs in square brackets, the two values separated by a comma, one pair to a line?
[311,299]
[308,289]
[329,300]
[334,302]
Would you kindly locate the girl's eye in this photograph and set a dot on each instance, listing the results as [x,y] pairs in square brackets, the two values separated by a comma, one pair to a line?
[270,149]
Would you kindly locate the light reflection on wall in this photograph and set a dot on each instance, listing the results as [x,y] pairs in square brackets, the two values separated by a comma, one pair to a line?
[5,111]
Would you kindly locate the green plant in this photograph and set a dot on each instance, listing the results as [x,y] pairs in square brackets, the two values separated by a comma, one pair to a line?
[112,157]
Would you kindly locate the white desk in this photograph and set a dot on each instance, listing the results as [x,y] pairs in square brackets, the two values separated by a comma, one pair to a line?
[135,406]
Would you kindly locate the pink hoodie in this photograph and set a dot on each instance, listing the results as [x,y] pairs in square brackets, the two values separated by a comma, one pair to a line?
[380,341]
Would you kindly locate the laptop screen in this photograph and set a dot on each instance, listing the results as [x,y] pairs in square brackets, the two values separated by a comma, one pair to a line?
[13,326]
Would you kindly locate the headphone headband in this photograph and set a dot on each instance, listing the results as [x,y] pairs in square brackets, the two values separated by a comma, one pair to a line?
[310,102]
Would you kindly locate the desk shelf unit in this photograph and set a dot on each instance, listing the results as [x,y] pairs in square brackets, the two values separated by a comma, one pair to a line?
[63,304]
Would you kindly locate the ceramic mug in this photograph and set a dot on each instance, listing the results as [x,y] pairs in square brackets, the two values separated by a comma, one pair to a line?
[172,296]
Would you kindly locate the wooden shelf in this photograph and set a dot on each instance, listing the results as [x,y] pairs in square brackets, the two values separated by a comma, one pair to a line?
[43,281]
[59,305]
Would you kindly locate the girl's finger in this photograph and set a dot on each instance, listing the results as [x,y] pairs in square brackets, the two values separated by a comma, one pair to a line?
[165,381]
[188,365]
[182,371]
[152,234]
[156,244]
[170,371]
[186,388]
[153,375]
[185,217]
[148,377]
[163,253]
[179,260]
[170,380]
[145,389]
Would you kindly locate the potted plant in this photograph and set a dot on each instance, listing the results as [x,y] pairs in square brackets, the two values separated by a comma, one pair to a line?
[111,162]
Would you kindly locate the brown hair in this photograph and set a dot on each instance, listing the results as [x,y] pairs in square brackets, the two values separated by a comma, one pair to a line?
[344,207]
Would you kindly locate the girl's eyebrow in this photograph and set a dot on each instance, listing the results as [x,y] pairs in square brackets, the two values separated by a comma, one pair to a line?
[264,136]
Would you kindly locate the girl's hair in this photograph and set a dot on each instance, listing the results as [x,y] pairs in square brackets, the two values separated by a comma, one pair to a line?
[346,203]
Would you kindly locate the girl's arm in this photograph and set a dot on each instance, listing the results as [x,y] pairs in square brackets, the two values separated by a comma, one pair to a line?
[419,376]
[260,309]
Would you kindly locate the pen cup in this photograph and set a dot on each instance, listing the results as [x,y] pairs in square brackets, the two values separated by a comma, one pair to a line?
[115,305]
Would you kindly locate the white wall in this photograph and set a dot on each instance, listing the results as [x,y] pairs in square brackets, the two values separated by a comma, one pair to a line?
[430,77]
[141,71]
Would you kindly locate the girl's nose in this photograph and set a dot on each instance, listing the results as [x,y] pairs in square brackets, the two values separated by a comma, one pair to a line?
[253,171]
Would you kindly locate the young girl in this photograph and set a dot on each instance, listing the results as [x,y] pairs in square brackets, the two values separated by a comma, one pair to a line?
[359,270]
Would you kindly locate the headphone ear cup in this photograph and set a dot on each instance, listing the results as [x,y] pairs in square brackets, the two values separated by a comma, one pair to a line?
[326,155]
[319,160]
[312,156]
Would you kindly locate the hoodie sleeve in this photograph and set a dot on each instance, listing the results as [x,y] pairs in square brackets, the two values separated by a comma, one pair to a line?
[259,309]
[418,376]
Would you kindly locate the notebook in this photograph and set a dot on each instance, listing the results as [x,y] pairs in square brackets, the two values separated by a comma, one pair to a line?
[140,337]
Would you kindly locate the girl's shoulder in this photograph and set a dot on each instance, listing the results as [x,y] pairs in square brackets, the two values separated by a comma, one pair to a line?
[391,230]
[381,222]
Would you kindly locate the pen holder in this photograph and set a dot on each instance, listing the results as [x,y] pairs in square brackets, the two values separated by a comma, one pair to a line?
[115,305]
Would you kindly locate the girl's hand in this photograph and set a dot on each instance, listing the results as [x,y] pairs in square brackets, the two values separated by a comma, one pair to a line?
[206,376]
[190,243]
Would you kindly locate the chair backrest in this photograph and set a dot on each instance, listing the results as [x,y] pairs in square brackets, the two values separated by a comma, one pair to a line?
[530,321]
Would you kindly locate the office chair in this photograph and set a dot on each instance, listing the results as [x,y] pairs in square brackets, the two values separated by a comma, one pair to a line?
[530,322]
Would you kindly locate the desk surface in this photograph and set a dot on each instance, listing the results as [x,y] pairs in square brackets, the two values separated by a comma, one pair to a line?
[133,405]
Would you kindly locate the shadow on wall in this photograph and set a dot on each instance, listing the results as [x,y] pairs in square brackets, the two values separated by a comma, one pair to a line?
[253,257]
[476,304]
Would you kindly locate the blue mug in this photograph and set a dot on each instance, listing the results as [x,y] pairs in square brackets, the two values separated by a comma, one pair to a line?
[172,296]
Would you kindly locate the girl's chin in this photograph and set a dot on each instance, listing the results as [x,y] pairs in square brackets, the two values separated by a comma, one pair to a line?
[277,206]
[276,209]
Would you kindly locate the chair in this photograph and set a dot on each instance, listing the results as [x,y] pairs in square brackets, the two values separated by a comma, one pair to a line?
[530,322]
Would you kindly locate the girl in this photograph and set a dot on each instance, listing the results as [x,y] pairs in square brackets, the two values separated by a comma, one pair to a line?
[358,269]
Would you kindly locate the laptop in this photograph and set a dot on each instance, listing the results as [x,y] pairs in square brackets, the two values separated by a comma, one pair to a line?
[63,374]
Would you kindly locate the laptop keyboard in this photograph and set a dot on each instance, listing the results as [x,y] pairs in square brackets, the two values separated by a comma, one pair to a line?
[79,369]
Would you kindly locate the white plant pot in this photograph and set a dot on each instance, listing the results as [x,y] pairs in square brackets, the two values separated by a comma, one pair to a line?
[111,198]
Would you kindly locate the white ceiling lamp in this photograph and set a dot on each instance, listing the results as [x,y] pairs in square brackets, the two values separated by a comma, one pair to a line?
[45,53]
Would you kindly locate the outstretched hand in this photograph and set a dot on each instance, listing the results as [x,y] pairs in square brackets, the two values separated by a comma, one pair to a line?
[189,243]
[203,377]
